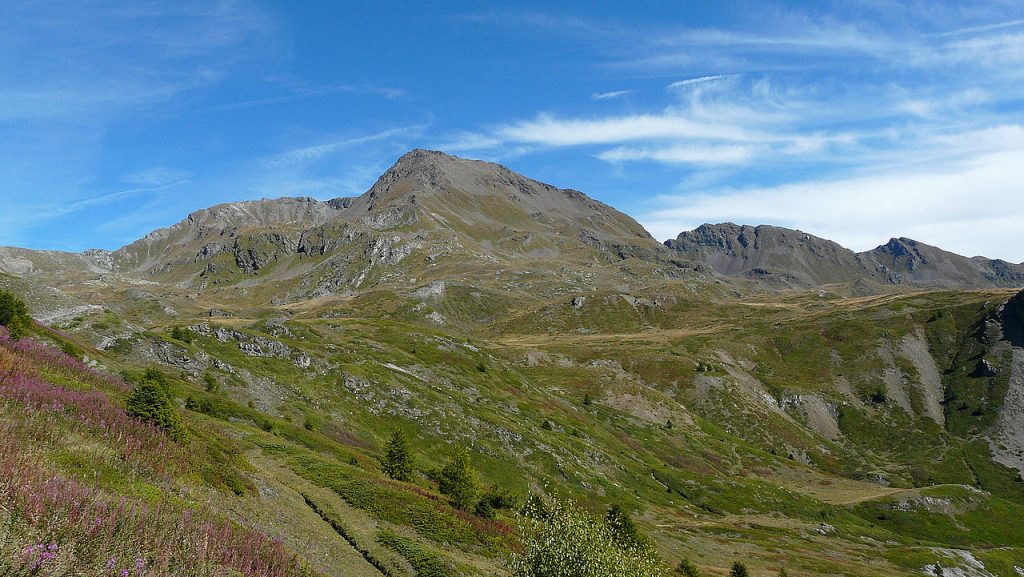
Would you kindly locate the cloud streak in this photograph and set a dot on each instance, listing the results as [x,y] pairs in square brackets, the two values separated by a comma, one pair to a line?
[312,153]
[610,95]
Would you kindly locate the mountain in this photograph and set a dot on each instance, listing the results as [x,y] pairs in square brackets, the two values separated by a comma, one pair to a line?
[798,258]
[792,258]
[697,385]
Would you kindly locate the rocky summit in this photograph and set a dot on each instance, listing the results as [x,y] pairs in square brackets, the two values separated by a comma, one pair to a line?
[412,382]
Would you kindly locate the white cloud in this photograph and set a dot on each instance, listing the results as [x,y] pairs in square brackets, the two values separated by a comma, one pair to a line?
[699,80]
[681,154]
[311,153]
[551,131]
[610,95]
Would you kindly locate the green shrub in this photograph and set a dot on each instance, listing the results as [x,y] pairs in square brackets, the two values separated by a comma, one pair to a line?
[398,457]
[151,401]
[181,334]
[622,528]
[210,382]
[738,570]
[561,540]
[687,569]
[459,481]
[14,314]
[424,562]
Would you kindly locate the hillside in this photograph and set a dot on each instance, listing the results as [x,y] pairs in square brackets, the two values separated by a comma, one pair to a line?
[700,386]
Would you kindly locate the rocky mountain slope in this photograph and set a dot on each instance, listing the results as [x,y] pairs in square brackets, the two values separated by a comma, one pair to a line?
[872,434]
[791,258]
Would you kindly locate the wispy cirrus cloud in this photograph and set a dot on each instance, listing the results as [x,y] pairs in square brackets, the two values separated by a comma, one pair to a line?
[699,80]
[610,95]
[312,153]
[306,93]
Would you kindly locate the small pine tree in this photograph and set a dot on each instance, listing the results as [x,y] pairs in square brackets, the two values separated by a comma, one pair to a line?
[738,570]
[687,569]
[783,572]
[459,481]
[398,457]
[14,314]
[587,401]
[150,401]
[210,382]
[546,425]
[621,527]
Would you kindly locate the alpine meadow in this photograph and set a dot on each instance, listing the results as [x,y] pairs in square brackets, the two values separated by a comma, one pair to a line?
[340,325]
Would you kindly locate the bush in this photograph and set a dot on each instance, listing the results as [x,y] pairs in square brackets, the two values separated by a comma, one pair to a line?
[151,402]
[499,498]
[560,540]
[738,570]
[14,314]
[459,481]
[210,382]
[181,334]
[687,569]
[622,528]
[398,457]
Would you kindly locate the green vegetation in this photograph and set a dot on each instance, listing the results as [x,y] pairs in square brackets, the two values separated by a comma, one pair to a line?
[458,480]
[738,570]
[561,540]
[623,531]
[426,563]
[686,568]
[181,334]
[398,459]
[14,314]
[151,402]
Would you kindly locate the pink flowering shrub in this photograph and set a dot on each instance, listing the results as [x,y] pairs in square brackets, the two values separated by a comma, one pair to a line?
[70,525]
[88,411]
[52,524]
[54,359]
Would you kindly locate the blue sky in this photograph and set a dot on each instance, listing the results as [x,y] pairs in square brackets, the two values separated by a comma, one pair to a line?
[857,121]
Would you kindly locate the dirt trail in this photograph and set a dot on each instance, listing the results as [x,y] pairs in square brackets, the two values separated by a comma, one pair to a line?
[651,334]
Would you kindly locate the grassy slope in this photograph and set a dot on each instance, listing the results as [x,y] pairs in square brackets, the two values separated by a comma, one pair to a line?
[720,483]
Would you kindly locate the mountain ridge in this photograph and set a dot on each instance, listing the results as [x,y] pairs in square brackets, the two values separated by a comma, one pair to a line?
[798,259]
[434,202]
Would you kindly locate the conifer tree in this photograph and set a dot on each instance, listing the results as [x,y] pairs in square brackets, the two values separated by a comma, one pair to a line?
[398,457]
[151,401]
[459,481]
[14,314]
